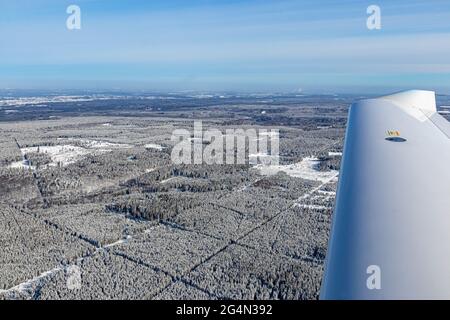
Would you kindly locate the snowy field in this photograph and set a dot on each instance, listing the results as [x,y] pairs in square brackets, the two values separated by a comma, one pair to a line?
[154,146]
[64,155]
[305,169]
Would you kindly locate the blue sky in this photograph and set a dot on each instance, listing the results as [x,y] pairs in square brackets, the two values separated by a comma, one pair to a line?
[318,46]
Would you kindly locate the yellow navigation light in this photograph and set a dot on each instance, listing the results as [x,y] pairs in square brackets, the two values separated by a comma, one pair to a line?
[393,133]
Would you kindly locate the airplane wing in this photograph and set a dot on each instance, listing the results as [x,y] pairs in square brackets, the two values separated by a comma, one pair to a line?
[390,236]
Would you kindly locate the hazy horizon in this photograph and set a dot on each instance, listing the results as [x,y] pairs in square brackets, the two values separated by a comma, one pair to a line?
[217,46]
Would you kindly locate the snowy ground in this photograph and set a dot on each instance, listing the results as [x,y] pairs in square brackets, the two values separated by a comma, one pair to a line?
[305,169]
[67,154]
[334,154]
[25,286]
[154,146]
[21,165]
[63,155]
[23,101]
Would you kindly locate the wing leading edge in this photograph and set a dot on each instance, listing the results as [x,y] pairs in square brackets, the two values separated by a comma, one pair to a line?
[390,237]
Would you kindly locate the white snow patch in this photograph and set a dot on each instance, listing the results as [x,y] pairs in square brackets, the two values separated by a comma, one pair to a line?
[121,241]
[102,145]
[154,146]
[67,154]
[311,206]
[334,154]
[63,154]
[167,180]
[305,169]
[328,193]
[23,164]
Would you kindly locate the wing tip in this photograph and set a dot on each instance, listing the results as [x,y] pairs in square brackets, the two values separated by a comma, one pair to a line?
[418,99]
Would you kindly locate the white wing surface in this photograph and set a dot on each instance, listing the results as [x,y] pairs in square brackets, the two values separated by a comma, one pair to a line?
[390,237]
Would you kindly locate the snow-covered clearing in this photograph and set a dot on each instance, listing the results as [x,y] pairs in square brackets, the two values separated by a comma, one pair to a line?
[154,146]
[98,144]
[23,164]
[305,169]
[63,155]
[60,155]
[334,154]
